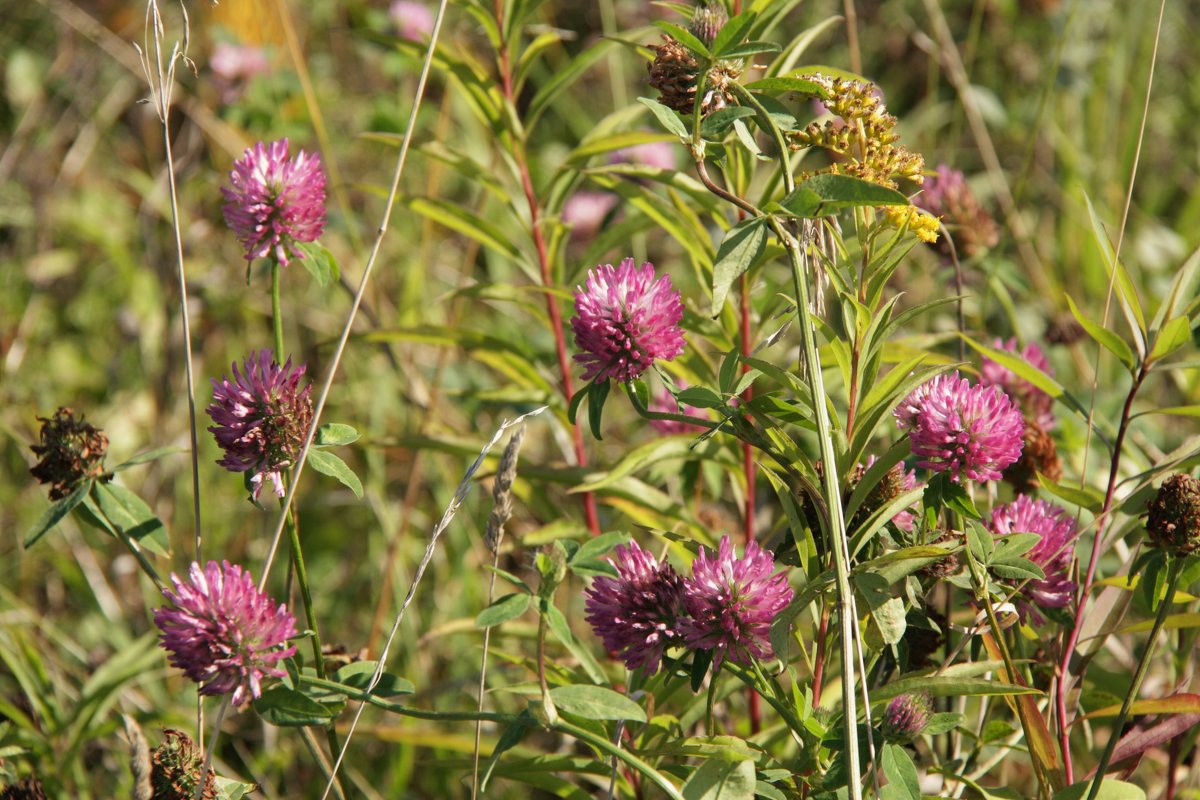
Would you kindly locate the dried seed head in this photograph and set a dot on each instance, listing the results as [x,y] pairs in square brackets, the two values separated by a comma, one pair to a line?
[1040,454]
[944,567]
[1173,522]
[502,491]
[176,769]
[26,789]
[707,21]
[71,450]
[675,72]
[947,195]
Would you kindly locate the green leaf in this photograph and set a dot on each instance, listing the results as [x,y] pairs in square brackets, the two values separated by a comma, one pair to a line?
[752,49]
[731,33]
[511,737]
[1106,338]
[947,686]
[284,707]
[597,395]
[457,218]
[1125,288]
[229,789]
[576,400]
[319,262]
[508,607]
[1181,703]
[598,546]
[1084,497]
[700,397]
[149,455]
[54,514]
[944,723]
[129,514]
[327,463]
[1109,790]
[901,773]
[779,85]
[596,702]
[334,434]
[822,195]
[563,78]
[358,676]
[717,123]
[742,246]
[667,118]
[1174,335]
[718,779]
[684,37]
[701,661]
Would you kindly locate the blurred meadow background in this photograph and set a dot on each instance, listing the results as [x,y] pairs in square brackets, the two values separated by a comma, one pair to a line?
[1040,105]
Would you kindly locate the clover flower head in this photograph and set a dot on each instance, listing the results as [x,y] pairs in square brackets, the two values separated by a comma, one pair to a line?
[906,716]
[586,211]
[262,417]
[732,601]
[947,195]
[1036,404]
[625,320]
[637,613]
[962,429]
[223,632]
[412,20]
[1053,553]
[273,201]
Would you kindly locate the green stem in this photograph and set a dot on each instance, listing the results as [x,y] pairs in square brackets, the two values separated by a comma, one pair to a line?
[1164,606]
[600,743]
[833,501]
[309,615]
[710,717]
[276,311]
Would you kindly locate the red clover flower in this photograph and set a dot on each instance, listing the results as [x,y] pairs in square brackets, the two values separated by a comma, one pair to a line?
[625,321]
[962,429]
[1053,553]
[262,418]
[223,632]
[273,202]
[636,614]
[732,602]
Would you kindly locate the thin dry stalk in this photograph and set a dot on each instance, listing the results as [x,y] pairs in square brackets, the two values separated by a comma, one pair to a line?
[401,160]
[139,759]
[460,494]
[161,78]
[501,514]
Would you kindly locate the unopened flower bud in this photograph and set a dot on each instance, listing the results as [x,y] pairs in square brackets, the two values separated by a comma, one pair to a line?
[906,716]
[707,21]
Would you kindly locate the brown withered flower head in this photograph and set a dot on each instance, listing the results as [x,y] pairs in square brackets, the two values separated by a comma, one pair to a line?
[944,567]
[25,789]
[71,450]
[675,72]
[1040,454]
[1173,522]
[947,195]
[176,768]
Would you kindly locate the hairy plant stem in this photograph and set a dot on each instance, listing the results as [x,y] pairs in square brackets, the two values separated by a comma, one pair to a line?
[276,311]
[520,157]
[810,367]
[1164,606]
[1102,521]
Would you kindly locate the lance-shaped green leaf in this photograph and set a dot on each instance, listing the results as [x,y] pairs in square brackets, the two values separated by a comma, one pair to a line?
[596,702]
[327,463]
[55,513]
[742,246]
[822,195]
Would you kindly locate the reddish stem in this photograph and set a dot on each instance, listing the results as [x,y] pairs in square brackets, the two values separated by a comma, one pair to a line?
[539,242]
[1064,669]
[819,667]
